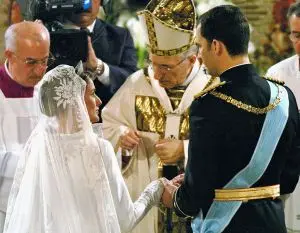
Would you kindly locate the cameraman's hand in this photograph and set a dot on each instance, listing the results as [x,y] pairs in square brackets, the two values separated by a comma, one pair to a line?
[91,62]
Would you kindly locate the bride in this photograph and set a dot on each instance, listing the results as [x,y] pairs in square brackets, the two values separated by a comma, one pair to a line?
[68,179]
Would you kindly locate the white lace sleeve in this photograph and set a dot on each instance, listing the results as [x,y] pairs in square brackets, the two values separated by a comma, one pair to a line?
[129,213]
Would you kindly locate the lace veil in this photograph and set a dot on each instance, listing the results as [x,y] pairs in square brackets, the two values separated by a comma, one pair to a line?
[61,185]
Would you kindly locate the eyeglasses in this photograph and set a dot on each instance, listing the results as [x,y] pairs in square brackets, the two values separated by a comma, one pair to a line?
[48,61]
[294,36]
[165,68]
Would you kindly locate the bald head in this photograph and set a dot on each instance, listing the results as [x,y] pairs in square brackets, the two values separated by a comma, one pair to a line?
[25,32]
[27,52]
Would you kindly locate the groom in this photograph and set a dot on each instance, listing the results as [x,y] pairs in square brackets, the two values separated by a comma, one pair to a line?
[236,169]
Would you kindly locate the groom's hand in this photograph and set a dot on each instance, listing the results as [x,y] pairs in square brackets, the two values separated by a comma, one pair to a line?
[167,197]
[178,180]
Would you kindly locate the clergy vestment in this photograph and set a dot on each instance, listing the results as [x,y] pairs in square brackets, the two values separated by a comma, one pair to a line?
[142,104]
[18,116]
[288,71]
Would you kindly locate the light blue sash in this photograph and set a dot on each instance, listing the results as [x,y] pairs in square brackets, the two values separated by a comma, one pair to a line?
[220,213]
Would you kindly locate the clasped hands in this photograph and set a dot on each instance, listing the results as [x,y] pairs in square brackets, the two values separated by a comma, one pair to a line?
[169,151]
[170,186]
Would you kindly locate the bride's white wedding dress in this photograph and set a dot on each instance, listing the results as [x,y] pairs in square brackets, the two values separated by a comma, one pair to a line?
[68,180]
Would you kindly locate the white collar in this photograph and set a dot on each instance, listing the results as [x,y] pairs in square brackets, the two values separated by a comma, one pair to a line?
[91,27]
[192,75]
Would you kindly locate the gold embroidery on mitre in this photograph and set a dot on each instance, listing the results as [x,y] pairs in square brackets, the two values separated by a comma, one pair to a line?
[178,15]
[151,117]
[175,13]
[151,31]
[171,52]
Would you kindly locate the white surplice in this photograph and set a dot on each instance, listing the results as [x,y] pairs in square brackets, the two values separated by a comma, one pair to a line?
[288,71]
[18,117]
[120,114]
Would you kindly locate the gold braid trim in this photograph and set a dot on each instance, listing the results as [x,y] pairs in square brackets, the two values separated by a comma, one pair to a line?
[146,75]
[246,194]
[247,107]
[212,84]
[275,80]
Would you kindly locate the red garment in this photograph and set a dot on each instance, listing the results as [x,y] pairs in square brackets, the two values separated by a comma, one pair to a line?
[12,89]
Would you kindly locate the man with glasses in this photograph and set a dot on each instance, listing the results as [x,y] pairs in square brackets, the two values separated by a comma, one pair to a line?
[147,120]
[288,70]
[27,54]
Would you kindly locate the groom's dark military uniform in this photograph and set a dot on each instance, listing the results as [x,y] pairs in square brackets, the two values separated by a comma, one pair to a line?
[222,141]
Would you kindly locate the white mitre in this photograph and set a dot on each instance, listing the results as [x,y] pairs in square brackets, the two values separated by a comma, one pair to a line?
[169,26]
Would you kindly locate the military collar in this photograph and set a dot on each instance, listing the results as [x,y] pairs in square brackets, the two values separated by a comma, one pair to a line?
[238,73]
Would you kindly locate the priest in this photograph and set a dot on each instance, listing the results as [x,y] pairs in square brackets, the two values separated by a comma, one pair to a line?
[27,54]
[147,119]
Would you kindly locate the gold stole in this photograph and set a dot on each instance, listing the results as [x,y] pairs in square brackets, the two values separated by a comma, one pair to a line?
[151,116]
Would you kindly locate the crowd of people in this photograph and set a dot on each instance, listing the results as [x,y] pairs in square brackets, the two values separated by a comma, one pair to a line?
[195,142]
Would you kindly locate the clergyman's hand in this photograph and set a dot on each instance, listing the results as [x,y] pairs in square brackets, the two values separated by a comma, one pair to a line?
[129,139]
[169,151]
[167,197]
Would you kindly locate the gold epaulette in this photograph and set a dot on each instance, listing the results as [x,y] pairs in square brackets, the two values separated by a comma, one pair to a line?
[211,85]
[280,82]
